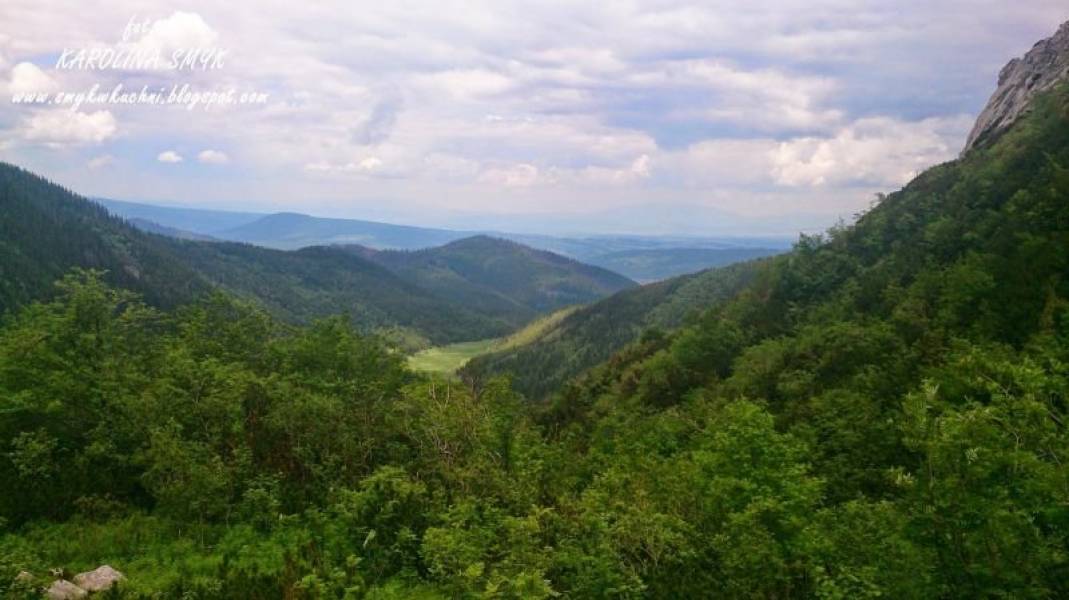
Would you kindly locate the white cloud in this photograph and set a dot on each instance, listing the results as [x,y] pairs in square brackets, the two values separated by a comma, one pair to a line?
[761,98]
[602,176]
[641,166]
[520,175]
[466,83]
[721,164]
[99,162]
[180,30]
[448,167]
[366,165]
[581,59]
[370,163]
[871,151]
[61,127]
[169,156]
[27,77]
[213,157]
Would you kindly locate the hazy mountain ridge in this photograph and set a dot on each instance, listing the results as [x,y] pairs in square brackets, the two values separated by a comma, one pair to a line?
[154,227]
[643,258]
[290,231]
[656,264]
[193,220]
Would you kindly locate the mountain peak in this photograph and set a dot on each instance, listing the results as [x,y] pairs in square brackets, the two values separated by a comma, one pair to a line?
[1046,64]
[481,240]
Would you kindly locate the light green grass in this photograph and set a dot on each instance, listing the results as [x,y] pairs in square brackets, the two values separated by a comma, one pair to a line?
[447,359]
[535,330]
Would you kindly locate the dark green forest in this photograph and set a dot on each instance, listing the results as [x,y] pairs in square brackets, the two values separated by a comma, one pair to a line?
[880,413]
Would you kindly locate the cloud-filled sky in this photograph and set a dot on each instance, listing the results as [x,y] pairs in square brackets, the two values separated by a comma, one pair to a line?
[639,116]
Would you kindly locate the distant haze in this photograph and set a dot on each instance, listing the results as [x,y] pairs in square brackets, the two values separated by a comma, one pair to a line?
[643,258]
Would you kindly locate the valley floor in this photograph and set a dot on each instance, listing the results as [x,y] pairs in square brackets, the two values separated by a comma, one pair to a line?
[445,360]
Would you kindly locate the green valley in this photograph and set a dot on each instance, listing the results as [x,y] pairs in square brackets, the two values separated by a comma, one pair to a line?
[880,412]
[445,360]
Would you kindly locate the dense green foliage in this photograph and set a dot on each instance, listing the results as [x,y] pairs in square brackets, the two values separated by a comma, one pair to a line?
[920,360]
[214,453]
[881,413]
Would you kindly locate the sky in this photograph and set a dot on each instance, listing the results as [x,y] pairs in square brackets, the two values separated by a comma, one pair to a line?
[557,117]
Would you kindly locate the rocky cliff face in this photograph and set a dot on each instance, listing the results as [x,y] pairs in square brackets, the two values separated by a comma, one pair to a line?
[1041,68]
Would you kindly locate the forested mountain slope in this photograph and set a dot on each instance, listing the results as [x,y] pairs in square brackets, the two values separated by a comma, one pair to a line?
[593,333]
[302,285]
[46,230]
[501,278]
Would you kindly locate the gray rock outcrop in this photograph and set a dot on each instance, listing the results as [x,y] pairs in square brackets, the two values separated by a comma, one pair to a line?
[1046,64]
[99,579]
[61,589]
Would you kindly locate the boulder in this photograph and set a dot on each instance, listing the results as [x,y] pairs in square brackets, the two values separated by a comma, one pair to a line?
[61,589]
[98,579]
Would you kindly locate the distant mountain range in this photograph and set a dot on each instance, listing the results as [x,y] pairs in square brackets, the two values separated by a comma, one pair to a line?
[642,258]
[290,231]
[193,220]
[46,231]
